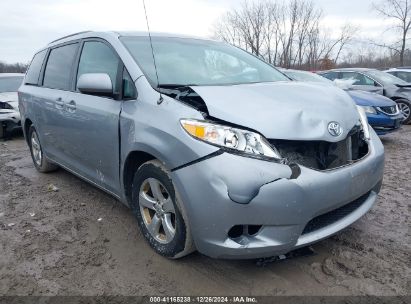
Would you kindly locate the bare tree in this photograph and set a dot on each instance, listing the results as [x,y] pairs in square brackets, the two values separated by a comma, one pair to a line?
[284,33]
[400,12]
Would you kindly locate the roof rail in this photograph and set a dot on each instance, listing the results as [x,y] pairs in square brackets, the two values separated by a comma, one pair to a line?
[83,32]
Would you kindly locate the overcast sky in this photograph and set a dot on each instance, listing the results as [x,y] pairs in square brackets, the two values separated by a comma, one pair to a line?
[27,25]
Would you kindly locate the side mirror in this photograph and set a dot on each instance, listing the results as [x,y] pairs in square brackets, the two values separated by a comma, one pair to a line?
[376,84]
[95,84]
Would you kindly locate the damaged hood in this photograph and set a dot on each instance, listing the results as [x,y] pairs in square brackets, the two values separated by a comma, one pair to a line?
[283,110]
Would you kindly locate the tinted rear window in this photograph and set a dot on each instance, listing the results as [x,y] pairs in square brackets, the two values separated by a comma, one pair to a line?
[33,73]
[59,67]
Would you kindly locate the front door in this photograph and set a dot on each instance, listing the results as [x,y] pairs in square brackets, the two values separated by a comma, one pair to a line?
[92,122]
[362,82]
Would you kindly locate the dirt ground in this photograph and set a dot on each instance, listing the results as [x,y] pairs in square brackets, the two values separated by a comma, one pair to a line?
[80,241]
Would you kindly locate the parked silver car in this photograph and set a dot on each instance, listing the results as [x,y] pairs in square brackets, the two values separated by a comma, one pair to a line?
[402,73]
[212,148]
[9,110]
[379,82]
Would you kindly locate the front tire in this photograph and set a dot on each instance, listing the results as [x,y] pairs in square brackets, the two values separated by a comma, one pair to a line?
[405,108]
[159,211]
[39,160]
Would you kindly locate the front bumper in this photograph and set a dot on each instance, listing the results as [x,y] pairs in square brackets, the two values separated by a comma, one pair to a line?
[383,123]
[228,190]
[10,120]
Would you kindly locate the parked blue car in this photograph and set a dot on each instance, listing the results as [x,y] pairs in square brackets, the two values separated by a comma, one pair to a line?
[382,113]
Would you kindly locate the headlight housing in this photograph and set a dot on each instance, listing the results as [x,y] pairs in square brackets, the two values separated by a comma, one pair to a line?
[237,140]
[364,122]
[369,109]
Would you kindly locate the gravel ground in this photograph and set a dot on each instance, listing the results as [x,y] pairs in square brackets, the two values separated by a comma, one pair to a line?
[80,241]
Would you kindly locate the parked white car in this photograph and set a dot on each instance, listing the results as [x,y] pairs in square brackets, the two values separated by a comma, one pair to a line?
[402,73]
[9,106]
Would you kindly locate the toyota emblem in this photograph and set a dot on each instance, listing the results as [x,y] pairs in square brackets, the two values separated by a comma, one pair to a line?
[334,129]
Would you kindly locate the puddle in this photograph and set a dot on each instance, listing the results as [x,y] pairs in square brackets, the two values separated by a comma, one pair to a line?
[24,167]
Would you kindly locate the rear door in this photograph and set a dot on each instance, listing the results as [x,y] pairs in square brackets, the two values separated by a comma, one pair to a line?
[50,99]
[91,122]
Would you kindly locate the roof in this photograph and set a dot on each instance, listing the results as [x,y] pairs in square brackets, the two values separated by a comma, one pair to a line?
[116,34]
[11,75]
[158,34]
[399,70]
[350,69]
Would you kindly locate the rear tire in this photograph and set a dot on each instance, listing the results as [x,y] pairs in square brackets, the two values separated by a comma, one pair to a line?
[41,163]
[159,212]
[405,107]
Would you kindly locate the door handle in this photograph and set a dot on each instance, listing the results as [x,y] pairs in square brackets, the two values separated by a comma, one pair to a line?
[59,103]
[71,106]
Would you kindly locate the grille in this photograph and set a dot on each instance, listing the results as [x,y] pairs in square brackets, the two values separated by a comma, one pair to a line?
[391,110]
[331,217]
[322,155]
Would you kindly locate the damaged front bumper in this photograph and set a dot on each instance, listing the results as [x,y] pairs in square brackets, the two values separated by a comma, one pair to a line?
[240,207]
[9,119]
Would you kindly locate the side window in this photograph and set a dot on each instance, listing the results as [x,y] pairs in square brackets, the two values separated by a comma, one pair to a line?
[403,75]
[360,79]
[129,90]
[33,73]
[349,76]
[393,73]
[97,57]
[59,65]
[368,81]
[330,75]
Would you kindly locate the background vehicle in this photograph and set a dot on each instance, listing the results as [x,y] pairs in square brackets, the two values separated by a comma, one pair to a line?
[382,113]
[212,148]
[402,73]
[375,81]
[9,110]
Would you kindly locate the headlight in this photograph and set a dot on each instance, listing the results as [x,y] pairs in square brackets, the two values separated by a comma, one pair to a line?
[368,109]
[364,122]
[247,142]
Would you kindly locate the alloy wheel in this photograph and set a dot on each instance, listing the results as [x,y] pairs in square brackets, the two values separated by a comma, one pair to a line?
[157,210]
[36,149]
[405,109]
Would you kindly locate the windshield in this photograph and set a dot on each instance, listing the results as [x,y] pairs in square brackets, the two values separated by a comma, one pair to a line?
[386,78]
[306,76]
[10,84]
[185,61]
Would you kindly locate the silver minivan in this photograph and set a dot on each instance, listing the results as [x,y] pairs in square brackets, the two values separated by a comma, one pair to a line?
[210,147]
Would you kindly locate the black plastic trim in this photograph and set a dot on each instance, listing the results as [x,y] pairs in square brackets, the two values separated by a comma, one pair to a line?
[216,153]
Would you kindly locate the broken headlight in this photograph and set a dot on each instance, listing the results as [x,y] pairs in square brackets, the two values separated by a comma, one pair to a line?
[364,122]
[243,141]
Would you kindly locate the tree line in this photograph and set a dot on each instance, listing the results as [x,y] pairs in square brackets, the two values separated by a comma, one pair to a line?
[13,68]
[290,34]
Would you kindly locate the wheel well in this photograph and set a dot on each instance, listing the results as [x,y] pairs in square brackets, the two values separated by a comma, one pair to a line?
[394,98]
[134,160]
[27,124]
